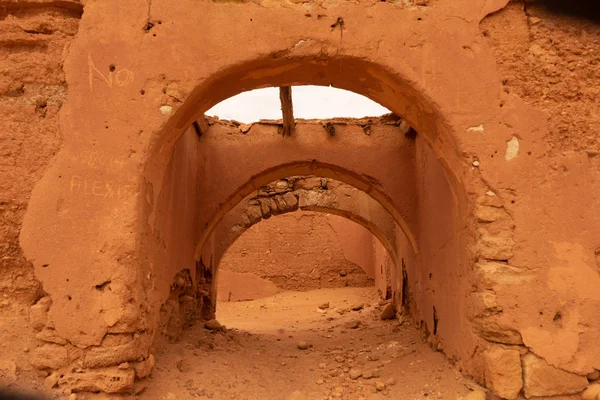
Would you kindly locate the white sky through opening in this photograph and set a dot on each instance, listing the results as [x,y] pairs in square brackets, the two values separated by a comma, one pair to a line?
[310,102]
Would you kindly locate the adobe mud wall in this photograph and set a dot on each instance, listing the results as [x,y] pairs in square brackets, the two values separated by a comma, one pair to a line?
[298,251]
[504,98]
[33,88]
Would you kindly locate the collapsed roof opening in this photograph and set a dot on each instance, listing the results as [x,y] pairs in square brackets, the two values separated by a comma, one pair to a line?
[309,102]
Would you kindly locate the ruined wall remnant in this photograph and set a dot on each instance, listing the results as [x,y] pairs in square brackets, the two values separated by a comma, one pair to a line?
[298,251]
[550,60]
[34,41]
[32,90]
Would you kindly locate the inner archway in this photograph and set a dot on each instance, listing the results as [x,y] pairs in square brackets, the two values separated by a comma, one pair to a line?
[295,259]
[306,193]
[298,251]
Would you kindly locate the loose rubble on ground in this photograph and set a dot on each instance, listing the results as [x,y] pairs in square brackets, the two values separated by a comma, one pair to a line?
[323,344]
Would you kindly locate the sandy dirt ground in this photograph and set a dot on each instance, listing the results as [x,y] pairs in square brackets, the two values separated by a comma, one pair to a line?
[349,354]
[258,356]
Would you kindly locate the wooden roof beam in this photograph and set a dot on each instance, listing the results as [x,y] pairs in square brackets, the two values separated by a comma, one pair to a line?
[287,109]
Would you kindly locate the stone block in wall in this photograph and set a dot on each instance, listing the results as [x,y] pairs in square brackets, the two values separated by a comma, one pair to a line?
[274,206]
[321,198]
[308,183]
[503,374]
[493,332]
[108,380]
[307,198]
[144,368]
[494,273]
[281,204]
[495,247]
[281,186]
[265,208]
[485,304]
[291,201]
[50,336]
[542,379]
[50,356]
[38,313]
[107,356]
[254,214]
[111,340]
[490,199]
[243,224]
[486,214]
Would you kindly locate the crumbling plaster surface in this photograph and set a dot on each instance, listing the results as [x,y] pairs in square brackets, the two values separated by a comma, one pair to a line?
[33,87]
[434,68]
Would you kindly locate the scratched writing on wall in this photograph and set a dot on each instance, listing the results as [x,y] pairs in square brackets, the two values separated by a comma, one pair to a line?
[92,159]
[104,189]
[116,76]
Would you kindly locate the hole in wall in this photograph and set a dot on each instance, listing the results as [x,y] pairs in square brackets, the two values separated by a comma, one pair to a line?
[557,319]
[102,286]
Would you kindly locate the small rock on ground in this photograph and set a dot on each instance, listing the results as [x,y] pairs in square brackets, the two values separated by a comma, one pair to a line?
[352,325]
[302,345]
[324,306]
[388,312]
[355,374]
[357,306]
[212,325]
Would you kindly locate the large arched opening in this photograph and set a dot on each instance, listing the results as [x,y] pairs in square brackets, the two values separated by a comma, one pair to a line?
[402,173]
